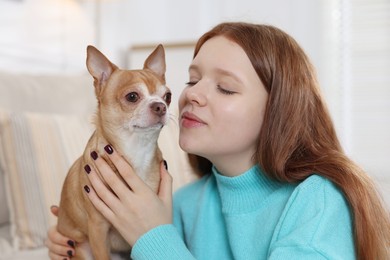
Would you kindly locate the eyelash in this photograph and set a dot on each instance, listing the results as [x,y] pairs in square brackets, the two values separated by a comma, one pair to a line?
[225,91]
[191,83]
[220,89]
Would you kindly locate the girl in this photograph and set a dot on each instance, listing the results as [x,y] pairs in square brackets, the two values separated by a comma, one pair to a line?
[276,182]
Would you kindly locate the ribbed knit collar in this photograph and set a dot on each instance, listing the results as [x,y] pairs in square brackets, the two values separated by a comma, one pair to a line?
[246,192]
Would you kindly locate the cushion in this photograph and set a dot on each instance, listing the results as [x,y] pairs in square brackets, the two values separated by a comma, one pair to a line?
[36,152]
[5,235]
[4,212]
[49,93]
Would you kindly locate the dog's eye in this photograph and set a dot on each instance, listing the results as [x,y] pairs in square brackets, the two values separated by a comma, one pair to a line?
[132,97]
[168,97]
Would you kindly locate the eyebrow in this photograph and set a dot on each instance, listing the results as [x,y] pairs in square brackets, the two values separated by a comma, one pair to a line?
[219,71]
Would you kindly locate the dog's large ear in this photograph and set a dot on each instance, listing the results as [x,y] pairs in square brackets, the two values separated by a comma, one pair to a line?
[99,67]
[156,61]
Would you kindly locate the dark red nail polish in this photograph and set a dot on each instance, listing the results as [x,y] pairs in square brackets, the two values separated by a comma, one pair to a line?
[94,155]
[86,188]
[108,149]
[71,243]
[70,253]
[87,168]
[166,165]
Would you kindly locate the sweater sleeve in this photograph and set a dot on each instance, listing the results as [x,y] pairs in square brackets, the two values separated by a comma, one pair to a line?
[316,224]
[161,243]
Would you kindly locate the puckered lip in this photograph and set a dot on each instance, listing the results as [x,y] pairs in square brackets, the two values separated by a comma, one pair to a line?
[191,117]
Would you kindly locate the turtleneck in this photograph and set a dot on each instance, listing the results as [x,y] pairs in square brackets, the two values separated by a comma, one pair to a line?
[251,216]
[245,192]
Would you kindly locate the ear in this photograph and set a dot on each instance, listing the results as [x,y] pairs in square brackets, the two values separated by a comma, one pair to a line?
[156,61]
[99,67]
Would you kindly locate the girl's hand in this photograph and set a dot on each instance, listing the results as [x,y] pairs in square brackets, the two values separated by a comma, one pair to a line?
[60,247]
[134,211]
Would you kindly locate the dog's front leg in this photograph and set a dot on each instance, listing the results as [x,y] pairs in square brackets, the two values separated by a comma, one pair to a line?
[98,239]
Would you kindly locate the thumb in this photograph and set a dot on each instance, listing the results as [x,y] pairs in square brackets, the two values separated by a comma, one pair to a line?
[54,209]
[165,189]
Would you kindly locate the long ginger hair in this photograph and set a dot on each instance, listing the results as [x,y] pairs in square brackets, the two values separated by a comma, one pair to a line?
[298,138]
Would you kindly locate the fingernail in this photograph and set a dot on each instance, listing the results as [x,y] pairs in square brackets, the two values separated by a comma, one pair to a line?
[166,165]
[87,168]
[109,149]
[86,188]
[94,155]
[71,243]
[70,253]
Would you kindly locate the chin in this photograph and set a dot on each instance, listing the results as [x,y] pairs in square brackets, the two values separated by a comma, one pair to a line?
[188,146]
[183,145]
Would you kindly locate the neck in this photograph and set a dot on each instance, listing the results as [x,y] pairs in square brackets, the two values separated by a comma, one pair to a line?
[232,166]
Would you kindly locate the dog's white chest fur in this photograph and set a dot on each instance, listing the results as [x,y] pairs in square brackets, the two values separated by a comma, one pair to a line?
[140,149]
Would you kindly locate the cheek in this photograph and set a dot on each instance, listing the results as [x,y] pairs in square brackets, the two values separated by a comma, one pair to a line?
[243,120]
[245,127]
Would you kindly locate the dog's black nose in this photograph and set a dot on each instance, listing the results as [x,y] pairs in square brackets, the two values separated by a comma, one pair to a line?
[158,108]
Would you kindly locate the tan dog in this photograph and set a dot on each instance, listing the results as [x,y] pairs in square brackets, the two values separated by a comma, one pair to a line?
[132,109]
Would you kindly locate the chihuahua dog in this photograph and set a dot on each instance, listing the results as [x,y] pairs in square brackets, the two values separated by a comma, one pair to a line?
[132,109]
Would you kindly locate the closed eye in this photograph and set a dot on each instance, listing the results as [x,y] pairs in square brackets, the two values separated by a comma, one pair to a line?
[225,91]
[191,83]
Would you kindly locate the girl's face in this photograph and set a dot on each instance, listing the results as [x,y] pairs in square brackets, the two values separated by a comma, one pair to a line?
[222,107]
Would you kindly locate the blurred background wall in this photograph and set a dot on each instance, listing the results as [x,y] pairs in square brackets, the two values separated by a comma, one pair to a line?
[347,40]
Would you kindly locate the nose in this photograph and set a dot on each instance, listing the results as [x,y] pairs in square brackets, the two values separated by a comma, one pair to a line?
[158,108]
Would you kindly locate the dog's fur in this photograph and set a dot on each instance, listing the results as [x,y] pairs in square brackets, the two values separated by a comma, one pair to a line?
[132,109]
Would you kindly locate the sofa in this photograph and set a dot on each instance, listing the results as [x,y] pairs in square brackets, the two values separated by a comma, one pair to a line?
[45,122]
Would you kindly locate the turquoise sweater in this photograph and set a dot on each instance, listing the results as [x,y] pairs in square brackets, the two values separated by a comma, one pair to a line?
[253,217]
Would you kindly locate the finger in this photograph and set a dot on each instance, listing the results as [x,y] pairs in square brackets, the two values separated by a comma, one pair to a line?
[60,252]
[57,238]
[125,169]
[100,193]
[109,176]
[54,210]
[58,244]
[165,189]
[99,204]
